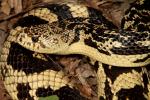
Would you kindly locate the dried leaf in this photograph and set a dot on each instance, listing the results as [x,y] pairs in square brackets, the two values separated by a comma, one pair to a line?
[80,71]
[5,7]
[3,25]
[17,5]
[85,89]
[27,4]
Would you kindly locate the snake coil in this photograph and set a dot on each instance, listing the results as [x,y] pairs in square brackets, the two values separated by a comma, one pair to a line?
[122,56]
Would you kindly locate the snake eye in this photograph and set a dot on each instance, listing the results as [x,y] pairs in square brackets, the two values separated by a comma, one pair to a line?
[35,39]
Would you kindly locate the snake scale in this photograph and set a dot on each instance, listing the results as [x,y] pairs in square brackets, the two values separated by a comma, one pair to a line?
[121,55]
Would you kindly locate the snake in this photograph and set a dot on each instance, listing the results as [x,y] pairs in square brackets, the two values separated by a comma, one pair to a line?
[121,56]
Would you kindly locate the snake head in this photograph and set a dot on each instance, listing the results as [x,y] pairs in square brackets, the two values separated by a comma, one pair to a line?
[45,38]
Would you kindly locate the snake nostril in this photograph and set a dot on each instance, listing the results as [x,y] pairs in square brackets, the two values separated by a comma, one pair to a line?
[35,39]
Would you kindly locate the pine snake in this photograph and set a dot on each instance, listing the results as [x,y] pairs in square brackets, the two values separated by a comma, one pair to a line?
[121,55]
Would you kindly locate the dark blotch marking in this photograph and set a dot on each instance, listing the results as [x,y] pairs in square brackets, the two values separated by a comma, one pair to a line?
[145,5]
[143,16]
[142,60]
[87,27]
[115,71]
[135,93]
[142,28]
[62,11]
[42,92]
[96,66]
[35,39]
[82,27]
[76,38]
[94,13]
[101,98]
[146,78]
[131,50]
[23,91]
[67,93]
[131,44]
[30,21]
[89,42]
[64,93]
[77,19]
[104,52]
[22,59]
[108,92]
[96,16]
[145,81]
[77,26]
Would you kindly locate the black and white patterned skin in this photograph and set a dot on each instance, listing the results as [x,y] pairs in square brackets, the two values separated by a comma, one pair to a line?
[29,74]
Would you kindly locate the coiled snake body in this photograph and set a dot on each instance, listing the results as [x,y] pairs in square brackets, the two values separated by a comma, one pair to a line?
[122,55]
